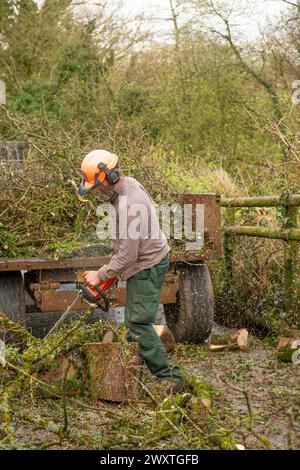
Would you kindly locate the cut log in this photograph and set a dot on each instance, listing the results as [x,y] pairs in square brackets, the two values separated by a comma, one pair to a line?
[220,338]
[114,370]
[238,340]
[108,337]
[56,376]
[62,363]
[218,347]
[166,337]
[289,350]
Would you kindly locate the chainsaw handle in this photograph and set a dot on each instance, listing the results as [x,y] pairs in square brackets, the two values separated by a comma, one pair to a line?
[104,285]
[105,305]
[102,303]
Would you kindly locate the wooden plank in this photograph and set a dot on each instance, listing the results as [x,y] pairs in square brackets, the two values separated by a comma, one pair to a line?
[263,232]
[259,201]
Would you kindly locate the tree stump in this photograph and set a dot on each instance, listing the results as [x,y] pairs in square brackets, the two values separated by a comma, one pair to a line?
[114,369]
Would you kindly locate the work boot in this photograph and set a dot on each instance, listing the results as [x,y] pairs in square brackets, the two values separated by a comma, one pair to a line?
[165,386]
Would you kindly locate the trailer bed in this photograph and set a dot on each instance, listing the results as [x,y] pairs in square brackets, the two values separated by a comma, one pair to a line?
[86,262]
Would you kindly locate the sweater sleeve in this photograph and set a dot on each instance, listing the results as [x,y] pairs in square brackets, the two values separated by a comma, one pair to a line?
[130,220]
[126,255]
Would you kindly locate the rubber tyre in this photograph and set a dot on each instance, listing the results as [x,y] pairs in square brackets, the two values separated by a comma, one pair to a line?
[191,318]
[12,296]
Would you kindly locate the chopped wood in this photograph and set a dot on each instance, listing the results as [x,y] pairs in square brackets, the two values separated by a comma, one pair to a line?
[56,375]
[240,338]
[206,402]
[289,350]
[218,347]
[63,375]
[166,337]
[114,370]
[237,340]
[108,337]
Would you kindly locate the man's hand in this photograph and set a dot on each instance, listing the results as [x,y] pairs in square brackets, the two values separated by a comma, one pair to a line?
[92,277]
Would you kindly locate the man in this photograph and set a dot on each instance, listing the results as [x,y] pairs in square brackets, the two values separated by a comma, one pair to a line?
[141,258]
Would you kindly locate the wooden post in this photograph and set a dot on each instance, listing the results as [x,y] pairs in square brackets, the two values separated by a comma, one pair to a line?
[289,213]
[114,370]
[229,245]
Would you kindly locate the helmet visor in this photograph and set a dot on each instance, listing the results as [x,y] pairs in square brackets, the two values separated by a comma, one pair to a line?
[86,187]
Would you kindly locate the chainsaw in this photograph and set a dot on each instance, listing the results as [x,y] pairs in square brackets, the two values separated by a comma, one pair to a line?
[95,295]
[98,294]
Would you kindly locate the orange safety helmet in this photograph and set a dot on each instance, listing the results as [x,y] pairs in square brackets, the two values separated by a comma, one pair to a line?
[95,167]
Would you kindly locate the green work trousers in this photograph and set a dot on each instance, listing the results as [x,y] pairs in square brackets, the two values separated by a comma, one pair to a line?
[143,297]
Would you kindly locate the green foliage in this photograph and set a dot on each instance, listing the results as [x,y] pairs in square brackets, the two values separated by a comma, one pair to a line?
[132,100]
[78,59]
[35,97]
[182,117]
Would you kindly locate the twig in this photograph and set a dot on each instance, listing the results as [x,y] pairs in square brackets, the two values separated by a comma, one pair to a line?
[64,431]
[18,201]
[64,316]
[88,312]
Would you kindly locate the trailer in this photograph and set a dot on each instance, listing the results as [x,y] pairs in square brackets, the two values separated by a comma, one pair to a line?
[46,287]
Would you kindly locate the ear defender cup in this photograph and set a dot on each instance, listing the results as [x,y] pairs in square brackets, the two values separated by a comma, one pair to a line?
[112,176]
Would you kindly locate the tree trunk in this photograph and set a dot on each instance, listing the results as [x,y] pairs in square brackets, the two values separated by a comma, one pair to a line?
[114,370]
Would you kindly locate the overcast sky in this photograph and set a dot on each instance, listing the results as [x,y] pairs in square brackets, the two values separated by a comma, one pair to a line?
[256,13]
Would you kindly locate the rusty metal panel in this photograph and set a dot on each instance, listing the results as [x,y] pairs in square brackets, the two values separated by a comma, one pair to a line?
[39,264]
[212,222]
[168,295]
[56,301]
[45,285]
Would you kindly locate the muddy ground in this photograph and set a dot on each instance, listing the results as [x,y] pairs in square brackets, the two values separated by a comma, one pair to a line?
[255,398]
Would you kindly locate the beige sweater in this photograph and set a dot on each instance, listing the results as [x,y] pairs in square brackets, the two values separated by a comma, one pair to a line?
[139,242]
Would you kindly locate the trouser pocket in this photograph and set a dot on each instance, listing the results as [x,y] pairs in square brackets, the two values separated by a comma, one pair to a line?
[143,293]
[144,307]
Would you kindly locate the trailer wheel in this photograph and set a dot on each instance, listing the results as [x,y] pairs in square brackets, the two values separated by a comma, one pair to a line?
[191,318]
[12,295]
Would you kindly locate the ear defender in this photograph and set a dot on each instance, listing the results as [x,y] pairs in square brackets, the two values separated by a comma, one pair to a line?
[112,176]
